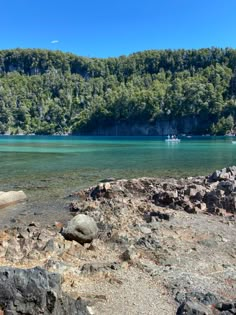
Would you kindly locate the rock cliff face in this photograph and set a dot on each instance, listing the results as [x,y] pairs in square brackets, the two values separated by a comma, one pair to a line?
[160,128]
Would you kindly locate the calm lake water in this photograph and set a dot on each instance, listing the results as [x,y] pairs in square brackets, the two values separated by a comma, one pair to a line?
[49,168]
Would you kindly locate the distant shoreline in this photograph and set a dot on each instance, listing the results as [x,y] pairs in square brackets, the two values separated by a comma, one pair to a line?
[115,136]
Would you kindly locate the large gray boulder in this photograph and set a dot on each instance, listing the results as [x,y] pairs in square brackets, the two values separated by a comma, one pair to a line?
[82,229]
[35,291]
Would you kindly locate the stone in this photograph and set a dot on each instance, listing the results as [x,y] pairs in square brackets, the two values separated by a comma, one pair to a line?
[129,254]
[14,251]
[145,230]
[189,207]
[157,215]
[224,176]
[195,192]
[226,306]
[213,199]
[35,291]
[148,242]
[204,298]
[202,206]
[199,195]
[91,268]
[11,197]
[191,192]
[165,197]
[107,186]
[227,186]
[82,229]
[198,303]
[57,266]
[215,175]
[193,308]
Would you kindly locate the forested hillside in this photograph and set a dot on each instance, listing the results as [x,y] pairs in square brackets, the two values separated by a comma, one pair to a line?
[46,92]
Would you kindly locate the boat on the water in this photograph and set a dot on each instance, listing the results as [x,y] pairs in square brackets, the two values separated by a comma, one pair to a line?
[176,140]
[234,142]
[172,139]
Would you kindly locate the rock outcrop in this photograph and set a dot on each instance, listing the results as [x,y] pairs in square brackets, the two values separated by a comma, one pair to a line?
[214,194]
[35,291]
[204,304]
[162,246]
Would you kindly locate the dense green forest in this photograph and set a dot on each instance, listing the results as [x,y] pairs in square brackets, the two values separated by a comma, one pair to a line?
[47,92]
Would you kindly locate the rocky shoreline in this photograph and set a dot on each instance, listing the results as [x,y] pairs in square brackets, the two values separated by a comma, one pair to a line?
[140,246]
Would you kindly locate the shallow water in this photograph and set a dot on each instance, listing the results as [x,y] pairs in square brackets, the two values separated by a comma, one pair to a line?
[48,168]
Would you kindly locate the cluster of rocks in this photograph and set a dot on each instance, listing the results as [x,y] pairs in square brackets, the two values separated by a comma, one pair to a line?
[37,290]
[141,204]
[204,304]
[214,194]
[122,224]
[29,242]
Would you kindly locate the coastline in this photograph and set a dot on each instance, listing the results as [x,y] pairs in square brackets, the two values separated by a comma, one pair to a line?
[49,168]
[165,240]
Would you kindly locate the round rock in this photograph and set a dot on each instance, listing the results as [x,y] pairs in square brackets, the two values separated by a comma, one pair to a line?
[82,229]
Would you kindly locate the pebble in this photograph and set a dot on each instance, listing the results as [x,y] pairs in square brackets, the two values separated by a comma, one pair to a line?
[145,230]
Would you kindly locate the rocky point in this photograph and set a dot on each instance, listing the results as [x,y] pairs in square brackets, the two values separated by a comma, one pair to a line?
[140,246]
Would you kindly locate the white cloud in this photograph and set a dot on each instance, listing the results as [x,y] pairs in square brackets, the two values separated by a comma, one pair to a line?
[55,41]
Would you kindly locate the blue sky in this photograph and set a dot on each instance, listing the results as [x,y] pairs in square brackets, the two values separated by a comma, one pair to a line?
[102,28]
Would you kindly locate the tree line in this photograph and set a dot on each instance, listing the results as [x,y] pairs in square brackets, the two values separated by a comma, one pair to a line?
[47,92]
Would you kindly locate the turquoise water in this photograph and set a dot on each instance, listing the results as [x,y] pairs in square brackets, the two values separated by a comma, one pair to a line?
[48,168]
[22,155]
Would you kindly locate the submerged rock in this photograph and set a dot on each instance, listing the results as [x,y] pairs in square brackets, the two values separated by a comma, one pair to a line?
[82,229]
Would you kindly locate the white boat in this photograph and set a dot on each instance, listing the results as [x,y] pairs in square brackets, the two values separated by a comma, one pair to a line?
[175,140]
[234,142]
